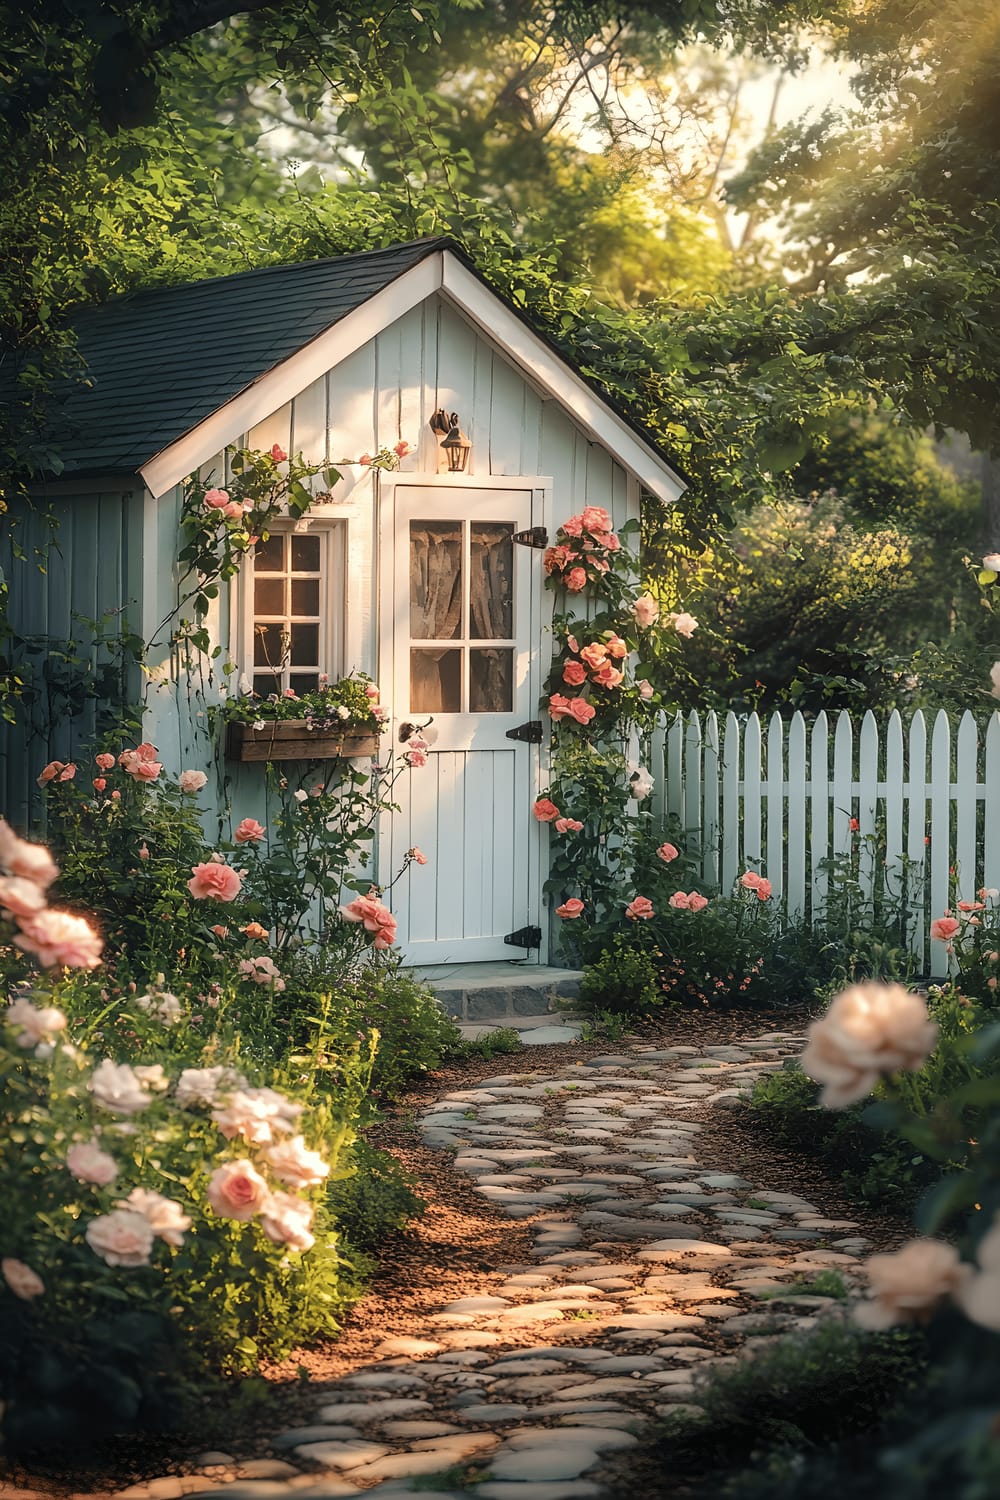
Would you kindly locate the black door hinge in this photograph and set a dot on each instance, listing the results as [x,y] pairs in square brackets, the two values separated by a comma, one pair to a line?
[525,937]
[530,733]
[535,536]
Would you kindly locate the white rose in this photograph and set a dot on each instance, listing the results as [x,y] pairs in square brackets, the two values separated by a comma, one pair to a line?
[165,1217]
[641,784]
[35,1024]
[992,561]
[121,1238]
[343,711]
[285,1220]
[300,795]
[202,1085]
[116,1087]
[153,1076]
[255,1114]
[869,1030]
[995,679]
[88,1163]
[294,1163]
[164,1007]
[907,1284]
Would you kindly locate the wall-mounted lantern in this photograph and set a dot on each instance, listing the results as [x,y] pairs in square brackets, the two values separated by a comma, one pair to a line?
[453,440]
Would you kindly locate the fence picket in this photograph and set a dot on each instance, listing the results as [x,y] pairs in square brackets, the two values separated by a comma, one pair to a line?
[991,806]
[752,846]
[940,830]
[843,784]
[966,757]
[819,844]
[894,870]
[730,802]
[774,869]
[916,835]
[710,802]
[796,817]
[674,770]
[692,780]
[868,749]
[658,771]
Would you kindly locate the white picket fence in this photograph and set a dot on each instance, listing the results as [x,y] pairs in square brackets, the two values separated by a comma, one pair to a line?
[779,797]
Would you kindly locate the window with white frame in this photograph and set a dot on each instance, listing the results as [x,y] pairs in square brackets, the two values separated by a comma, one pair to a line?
[293,608]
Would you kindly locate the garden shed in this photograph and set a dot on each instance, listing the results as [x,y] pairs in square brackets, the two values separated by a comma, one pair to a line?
[429,579]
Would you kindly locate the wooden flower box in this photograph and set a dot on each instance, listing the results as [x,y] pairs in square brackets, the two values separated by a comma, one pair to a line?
[289,739]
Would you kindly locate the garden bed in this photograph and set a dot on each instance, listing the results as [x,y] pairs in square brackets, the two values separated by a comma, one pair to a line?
[292,739]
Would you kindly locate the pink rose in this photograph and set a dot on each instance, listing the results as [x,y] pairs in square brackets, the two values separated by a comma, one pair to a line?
[214,882]
[667,852]
[639,909]
[120,1238]
[559,706]
[570,909]
[104,762]
[31,861]
[278,454]
[249,831]
[573,527]
[567,825]
[555,559]
[595,518]
[417,855]
[99,783]
[616,647]
[679,901]
[401,449]
[88,1163]
[545,810]
[943,929]
[594,655]
[575,580]
[236,1190]
[750,880]
[216,499]
[20,897]
[608,676]
[365,460]
[581,710]
[371,692]
[293,1163]
[907,1284]
[763,890]
[50,772]
[21,1279]
[58,938]
[574,673]
[166,1219]
[233,511]
[696,901]
[416,759]
[645,689]
[645,610]
[573,643]
[192,781]
[285,1220]
[684,624]
[146,770]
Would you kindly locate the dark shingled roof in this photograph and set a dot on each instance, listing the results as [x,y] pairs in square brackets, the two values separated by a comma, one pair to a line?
[162,361]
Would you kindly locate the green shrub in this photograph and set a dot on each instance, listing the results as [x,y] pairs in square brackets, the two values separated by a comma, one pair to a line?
[498,1043]
[376,1201]
[623,979]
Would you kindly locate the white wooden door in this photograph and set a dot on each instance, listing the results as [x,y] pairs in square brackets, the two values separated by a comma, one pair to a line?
[464,655]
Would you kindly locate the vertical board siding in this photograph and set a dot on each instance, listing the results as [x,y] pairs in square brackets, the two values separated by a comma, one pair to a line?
[781,798]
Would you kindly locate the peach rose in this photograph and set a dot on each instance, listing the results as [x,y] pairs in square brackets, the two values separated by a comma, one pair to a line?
[262,971]
[979,1295]
[120,1238]
[645,610]
[575,580]
[907,1284]
[545,810]
[570,909]
[104,762]
[50,772]
[236,1190]
[608,676]
[573,526]
[22,898]
[595,518]
[99,783]
[249,831]
[145,770]
[285,1220]
[581,710]
[869,1030]
[667,852]
[146,751]
[401,449]
[567,825]
[27,860]
[254,930]
[616,647]
[574,673]
[417,855]
[943,929]
[556,558]
[192,781]
[60,939]
[764,889]
[680,901]
[558,707]
[165,1218]
[292,1162]
[696,901]
[21,1279]
[594,654]
[639,909]
[278,453]
[750,880]
[216,499]
[214,882]
[88,1163]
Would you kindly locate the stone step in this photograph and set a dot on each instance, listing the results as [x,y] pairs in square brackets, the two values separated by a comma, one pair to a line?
[500,991]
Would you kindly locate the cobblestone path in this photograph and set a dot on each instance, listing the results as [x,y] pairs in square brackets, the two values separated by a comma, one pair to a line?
[646,1267]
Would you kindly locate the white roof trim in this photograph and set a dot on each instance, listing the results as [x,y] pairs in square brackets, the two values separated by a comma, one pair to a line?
[439,272]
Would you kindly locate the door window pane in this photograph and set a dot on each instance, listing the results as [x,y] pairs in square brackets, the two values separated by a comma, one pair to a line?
[436,682]
[491,680]
[269,556]
[435,581]
[305,554]
[303,682]
[269,596]
[491,580]
[305,596]
[305,645]
[268,647]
